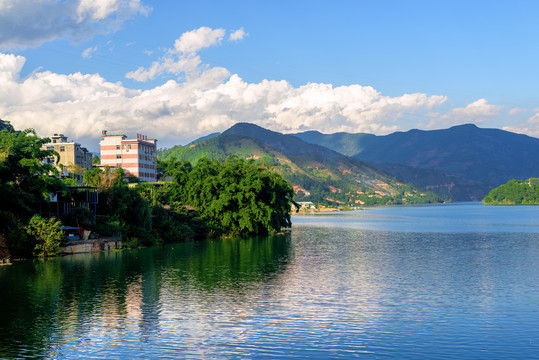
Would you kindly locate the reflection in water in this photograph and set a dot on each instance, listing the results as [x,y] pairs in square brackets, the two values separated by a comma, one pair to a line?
[89,303]
[322,292]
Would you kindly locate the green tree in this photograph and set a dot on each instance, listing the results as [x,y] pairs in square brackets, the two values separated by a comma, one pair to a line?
[48,235]
[237,197]
[26,179]
[104,178]
[25,176]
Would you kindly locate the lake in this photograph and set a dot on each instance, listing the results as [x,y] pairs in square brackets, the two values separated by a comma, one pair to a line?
[447,281]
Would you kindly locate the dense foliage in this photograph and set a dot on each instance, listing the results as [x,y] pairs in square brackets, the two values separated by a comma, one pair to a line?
[236,196]
[48,235]
[515,192]
[24,177]
[25,184]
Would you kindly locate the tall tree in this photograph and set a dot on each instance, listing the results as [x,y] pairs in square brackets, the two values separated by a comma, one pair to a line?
[238,196]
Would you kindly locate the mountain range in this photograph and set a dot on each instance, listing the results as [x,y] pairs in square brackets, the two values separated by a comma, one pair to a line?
[491,156]
[462,163]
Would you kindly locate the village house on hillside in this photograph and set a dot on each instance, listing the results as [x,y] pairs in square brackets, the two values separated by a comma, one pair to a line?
[137,157]
[74,159]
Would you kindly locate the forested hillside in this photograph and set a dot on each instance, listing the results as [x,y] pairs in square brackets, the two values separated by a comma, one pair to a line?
[515,192]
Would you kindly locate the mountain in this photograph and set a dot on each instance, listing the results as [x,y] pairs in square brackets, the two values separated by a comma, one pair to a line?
[318,174]
[488,156]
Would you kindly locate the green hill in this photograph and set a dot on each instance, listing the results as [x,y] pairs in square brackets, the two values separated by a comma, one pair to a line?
[318,174]
[515,192]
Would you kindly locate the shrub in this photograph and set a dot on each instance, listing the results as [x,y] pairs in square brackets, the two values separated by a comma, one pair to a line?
[48,235]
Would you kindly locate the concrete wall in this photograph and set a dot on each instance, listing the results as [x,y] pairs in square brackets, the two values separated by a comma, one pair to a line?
[95,245]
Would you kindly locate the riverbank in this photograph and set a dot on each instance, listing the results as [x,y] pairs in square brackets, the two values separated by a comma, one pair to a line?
[91,245]
[307,211]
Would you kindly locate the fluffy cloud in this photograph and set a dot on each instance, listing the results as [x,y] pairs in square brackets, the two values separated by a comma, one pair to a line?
[530,127]
[237,35]
[476,112]
[195,40]
[29,23]
[175,112]
[182,58]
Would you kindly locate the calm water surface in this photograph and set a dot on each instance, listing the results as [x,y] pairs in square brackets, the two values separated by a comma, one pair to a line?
[454,281]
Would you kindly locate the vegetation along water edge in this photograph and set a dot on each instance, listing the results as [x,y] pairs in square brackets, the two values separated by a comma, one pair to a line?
[515,192]
[234,197]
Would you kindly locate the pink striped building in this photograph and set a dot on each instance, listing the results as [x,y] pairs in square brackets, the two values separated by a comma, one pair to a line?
[136,156]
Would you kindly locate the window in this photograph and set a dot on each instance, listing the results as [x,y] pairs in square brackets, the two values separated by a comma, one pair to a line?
[62,148]
[118,156]
[50,147]
[117,147]
[129,146]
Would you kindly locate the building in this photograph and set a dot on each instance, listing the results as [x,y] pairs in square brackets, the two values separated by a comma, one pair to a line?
[137,157]
[74,159]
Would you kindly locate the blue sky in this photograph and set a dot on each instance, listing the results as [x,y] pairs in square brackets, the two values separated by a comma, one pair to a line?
[180,70]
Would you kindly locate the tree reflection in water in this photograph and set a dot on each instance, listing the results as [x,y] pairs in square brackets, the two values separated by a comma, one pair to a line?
[49,307]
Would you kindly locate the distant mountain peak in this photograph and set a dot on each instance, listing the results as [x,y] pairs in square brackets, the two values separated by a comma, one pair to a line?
[249,129]
[287,144]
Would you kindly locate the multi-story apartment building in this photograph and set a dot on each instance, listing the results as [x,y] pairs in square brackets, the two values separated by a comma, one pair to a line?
[137,157]
[74,159]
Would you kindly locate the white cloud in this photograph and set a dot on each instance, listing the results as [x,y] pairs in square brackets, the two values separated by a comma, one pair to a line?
[530,127]
[182,59]
[82,105]
[30,23]
[479,109]
[210,99]
[195,40]
[476,112]
[237,35]
[88,53]
[167,64]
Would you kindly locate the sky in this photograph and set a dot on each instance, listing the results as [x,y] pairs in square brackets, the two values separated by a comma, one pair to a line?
[179,70]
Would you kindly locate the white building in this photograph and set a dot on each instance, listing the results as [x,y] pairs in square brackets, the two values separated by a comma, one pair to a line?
[74,158]
[137,157]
